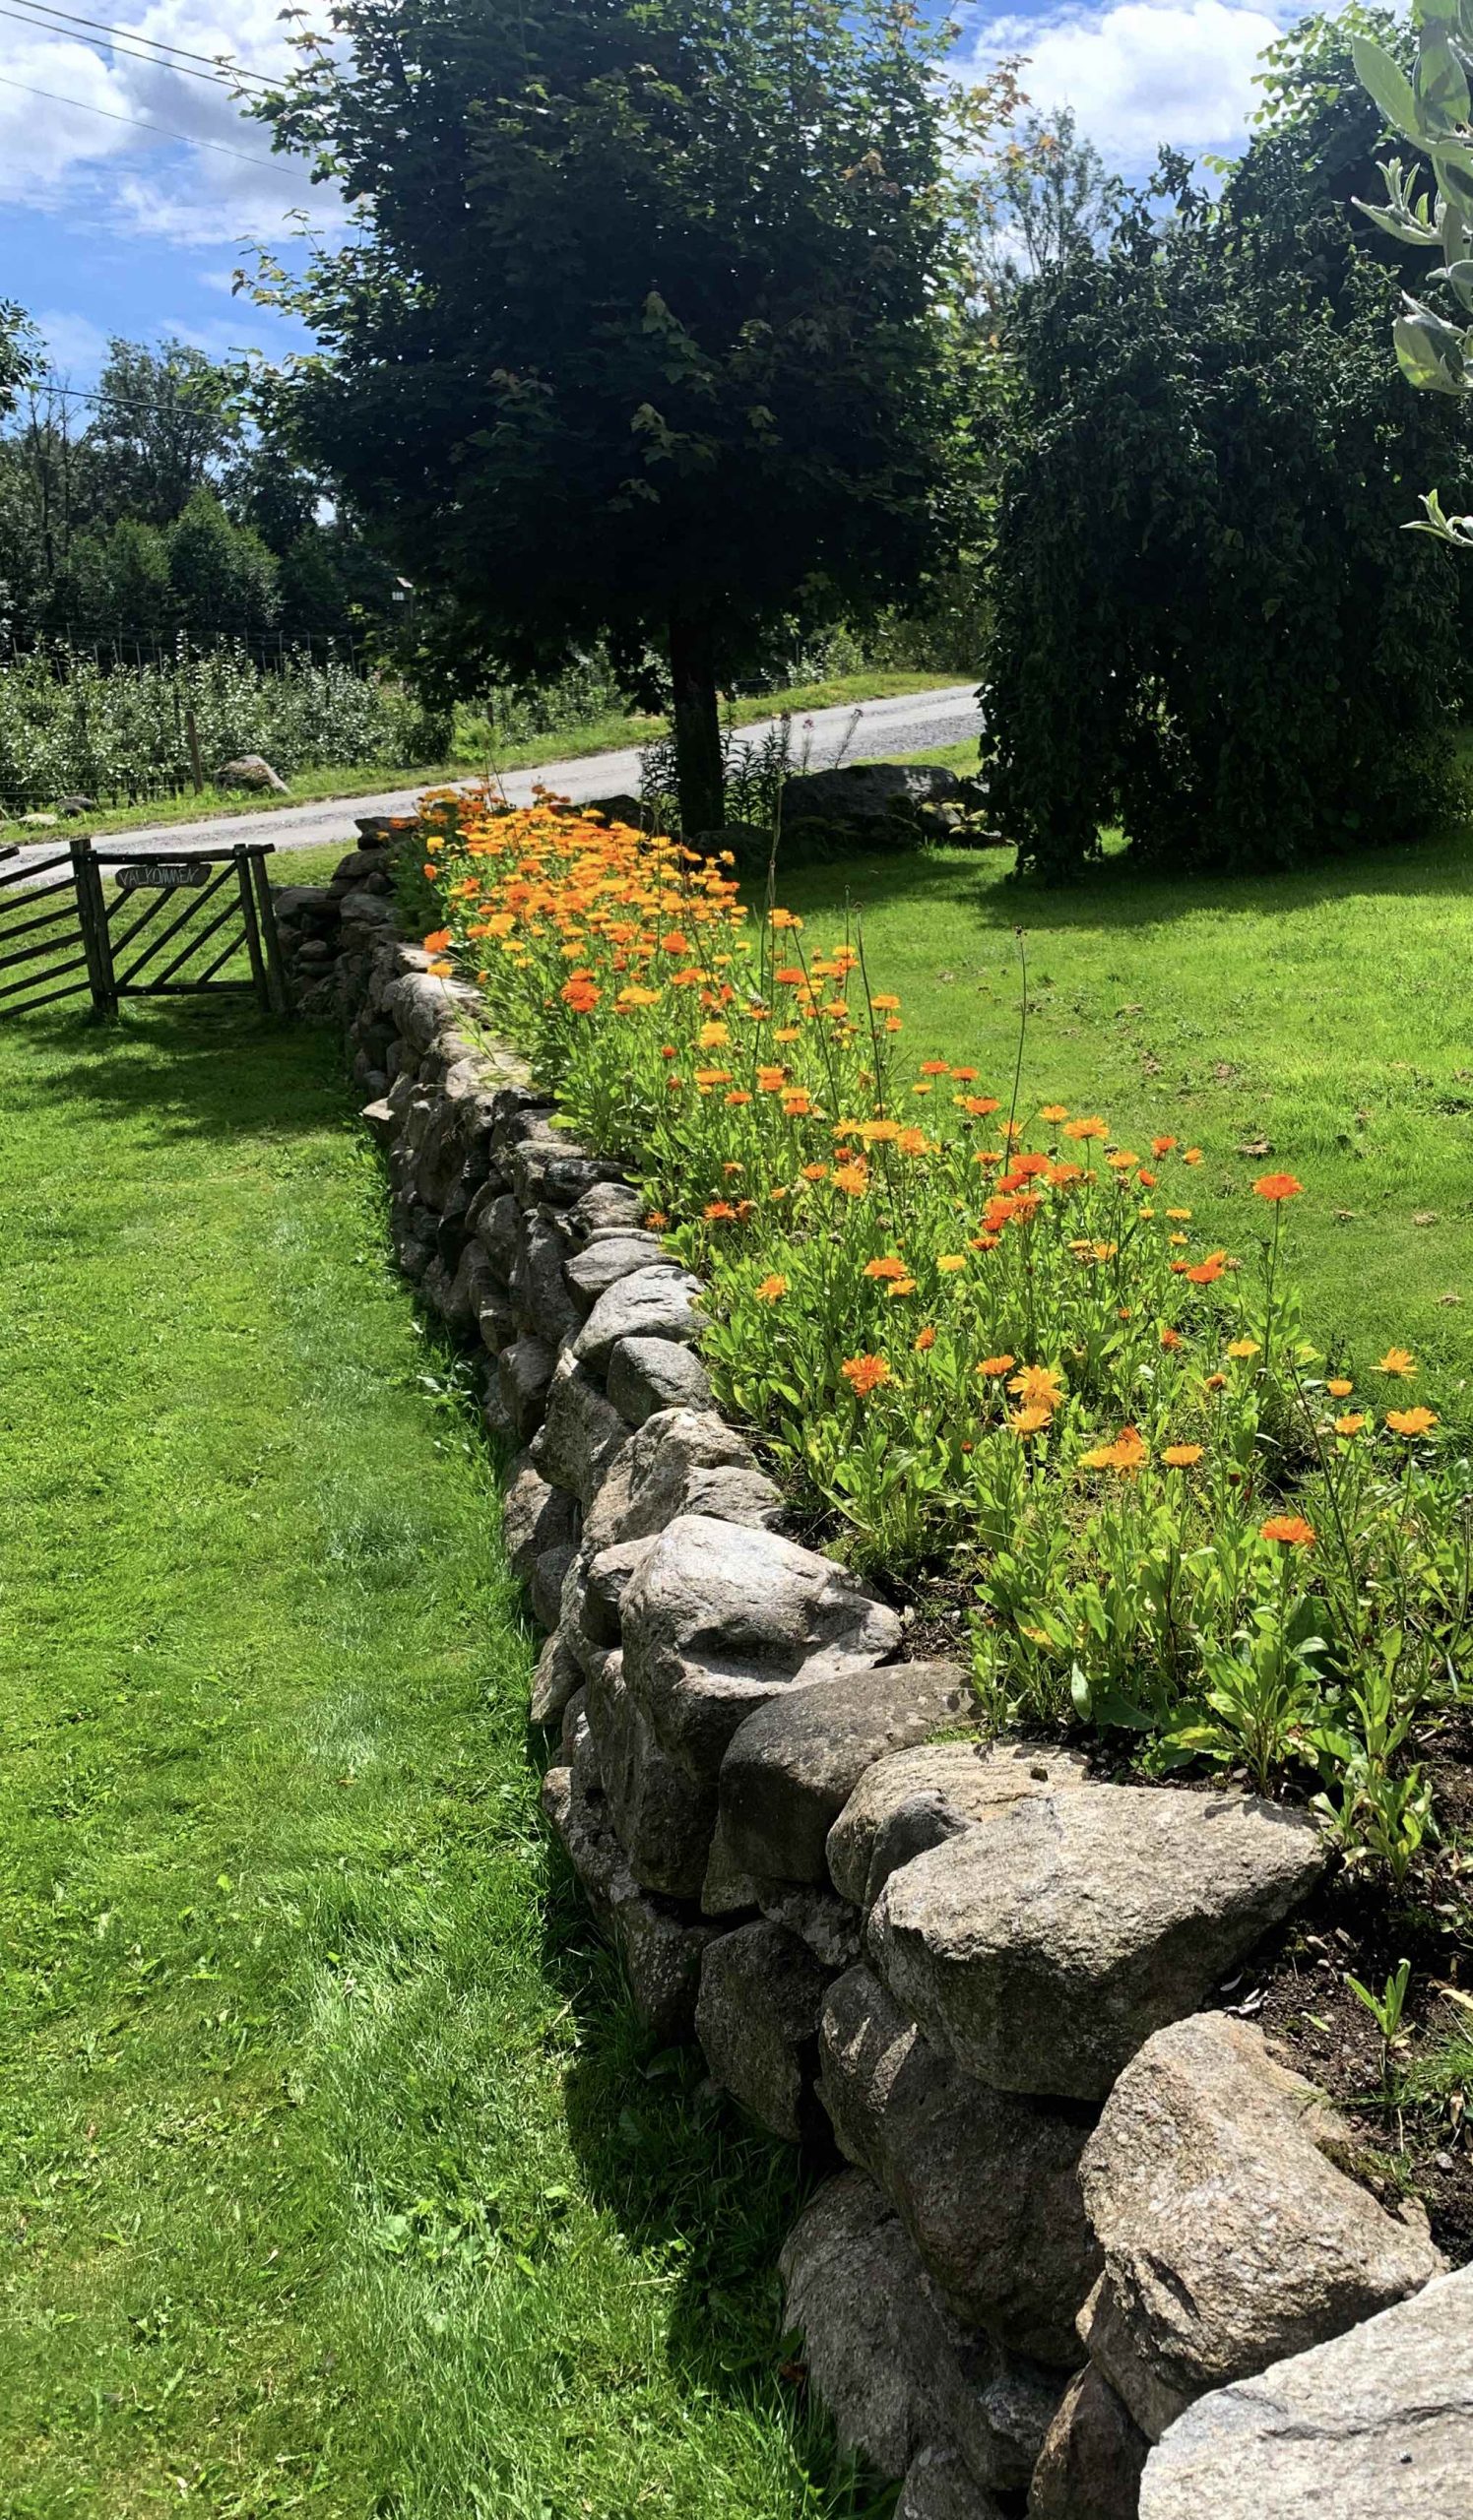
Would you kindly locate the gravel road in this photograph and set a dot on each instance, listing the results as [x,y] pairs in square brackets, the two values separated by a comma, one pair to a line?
[872,730]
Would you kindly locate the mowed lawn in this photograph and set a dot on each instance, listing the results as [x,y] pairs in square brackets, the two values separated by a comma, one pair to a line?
[336,2176]
[1319,1023]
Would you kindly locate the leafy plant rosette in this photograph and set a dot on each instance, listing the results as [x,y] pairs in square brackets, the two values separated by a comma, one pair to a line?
[983,1335]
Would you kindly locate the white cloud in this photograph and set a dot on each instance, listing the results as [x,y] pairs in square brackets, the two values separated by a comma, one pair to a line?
[76,348]
[1142,73]
[152,149]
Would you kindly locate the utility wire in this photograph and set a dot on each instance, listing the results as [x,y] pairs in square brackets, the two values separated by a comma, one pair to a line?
[214,66]
[157,130]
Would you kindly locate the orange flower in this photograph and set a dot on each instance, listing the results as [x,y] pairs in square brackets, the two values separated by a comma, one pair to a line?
[978,1105]
[1214,1382]
[736,1102]
[1163,1146]
[936,1068]
[1290,1529]
[1191,1155]
[1398,1361]
[902,1286]
[1339,1387]
[1181,1456]
[436,943]
[964,1075]
[676,943]
[864,1375]
[890,1267]
[993,1367]
[1179,1215]
[656,1220]
[852,1178]
[1208,1271]
[1277,1185]
[926,1339]
[1038,1387]
[1128,1453]
[1031,1418]
[1411,1421]
[796,1105]
[815,1172]
[783,918]
[1171,1337]
[884,1005]
[1243,1348]
[580,995]
[1093,1127]
[718,1211]
[1353,1421]
[1051,1112]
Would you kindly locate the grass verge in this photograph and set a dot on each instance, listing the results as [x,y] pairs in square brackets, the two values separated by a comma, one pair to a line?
[339,2178]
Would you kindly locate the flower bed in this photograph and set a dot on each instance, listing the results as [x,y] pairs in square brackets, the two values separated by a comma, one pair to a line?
[983,1333]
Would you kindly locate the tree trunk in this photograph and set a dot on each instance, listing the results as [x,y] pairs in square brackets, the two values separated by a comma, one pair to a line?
[697,723]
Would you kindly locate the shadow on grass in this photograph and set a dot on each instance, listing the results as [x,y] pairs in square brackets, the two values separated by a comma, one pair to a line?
[196,1067]
[1118,894]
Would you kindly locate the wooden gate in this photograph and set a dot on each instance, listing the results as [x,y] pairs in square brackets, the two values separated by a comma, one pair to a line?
[108,923]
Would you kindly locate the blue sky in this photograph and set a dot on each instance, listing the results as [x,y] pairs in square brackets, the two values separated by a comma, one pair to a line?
[105,228]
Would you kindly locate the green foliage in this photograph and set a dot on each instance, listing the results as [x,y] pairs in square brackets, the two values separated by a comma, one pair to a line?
[1209,628]
[639,338]
[16,354]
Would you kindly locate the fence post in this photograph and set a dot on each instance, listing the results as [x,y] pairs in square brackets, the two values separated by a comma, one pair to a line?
[245,888]
[96,940]
[276,970]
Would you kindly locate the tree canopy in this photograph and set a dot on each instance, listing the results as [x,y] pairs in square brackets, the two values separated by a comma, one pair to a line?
[640,335]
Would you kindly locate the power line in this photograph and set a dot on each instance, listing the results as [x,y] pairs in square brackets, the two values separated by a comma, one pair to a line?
[157,130]
[215,63]
[177,69]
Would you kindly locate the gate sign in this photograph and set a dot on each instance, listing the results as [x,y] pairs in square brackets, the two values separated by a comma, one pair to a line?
[161,875]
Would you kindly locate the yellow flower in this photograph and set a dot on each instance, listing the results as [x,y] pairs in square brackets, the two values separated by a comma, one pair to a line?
[1243,1348]
[950,1261]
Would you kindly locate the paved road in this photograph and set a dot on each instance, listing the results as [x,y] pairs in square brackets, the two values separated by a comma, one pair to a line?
[880,730]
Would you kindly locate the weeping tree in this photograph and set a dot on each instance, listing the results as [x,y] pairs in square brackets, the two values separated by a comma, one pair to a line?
[639,335]
[1432,109]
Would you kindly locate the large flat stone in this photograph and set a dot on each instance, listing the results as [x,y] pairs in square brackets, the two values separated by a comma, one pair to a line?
[649,1375]
[653,1304]
[915,1798]
[591,1273]
[1231,2238]
[682,1460]
[1044,1946]
[720,1618]
[1375,2425]
[1091,2463]
[986,2183]
[898,2375]
[581,1435]
[790,1768]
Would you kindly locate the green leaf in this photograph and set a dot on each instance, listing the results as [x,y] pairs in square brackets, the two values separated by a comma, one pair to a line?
[1430,350]
[1080,1692]
[1387,86]
[1440,86]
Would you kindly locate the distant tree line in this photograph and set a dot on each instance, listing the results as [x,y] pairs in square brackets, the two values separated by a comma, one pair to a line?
[163,503]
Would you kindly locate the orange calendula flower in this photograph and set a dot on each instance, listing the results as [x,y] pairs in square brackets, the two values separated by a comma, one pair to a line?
[979,1106]
[885,1005]
[1031,1418]
[437,942]
[738,1100]
[1290,1530]
[770,1289]
[713,1037]
[950,1261]
[718,1211]
[1339,1387]
[815,1172]
[852,1178]
[936,1068]
[1038,1387]
[1163,1146]
[581,995]
[1411,1421]
[1277,1185]
[901,1287]
[993,1367]
[1214,1382]
[1351,1424]
[656,1220]
[1053,1111]
[1181,1456]
[864,1375]
[797,1103]
[1179,1215]
[1241,1348]
[783,918]
[1171,1337]
[1208,1271]
[1398,1361]
[1093,1127]
[1191,1155]
[889,1267]
[926,1339]
[1127,1454]
[964,1075]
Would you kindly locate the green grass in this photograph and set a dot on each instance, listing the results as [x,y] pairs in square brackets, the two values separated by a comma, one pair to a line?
[1322,1015]
[338,2179]
[615,731]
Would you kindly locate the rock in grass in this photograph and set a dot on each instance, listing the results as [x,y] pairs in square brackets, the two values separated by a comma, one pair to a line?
[1231,2236]
[758,2020]
[1091,2462]
[646,1375]
[898,2375]
[986,2183]
[719,1620]
[915,1799]
[790,1768]
[1043,1947]
[1376,2424]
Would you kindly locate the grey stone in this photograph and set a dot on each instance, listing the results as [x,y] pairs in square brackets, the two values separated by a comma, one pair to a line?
[545,1590]
[1231,2237]
[538,1292]
[757,2022]
[662,1821]
[720,1618]
[608,1203]
[937,2487]
[653,1304]
[725,1890]
[1043,1947]
[600,1265]
[986,2183]
[867,792]
[650,1374]
[534,1516]
[250,771]
[476,1299]
[915,1799]
[495,1220]
[1090,2466]
[827,1924]
[524,1372]
[581,1435]
[659,1948]
[792,1767]
[682,1460]
[896,2371]
[555,1681]
[548,1168]
[378,1120]
[1375,2425]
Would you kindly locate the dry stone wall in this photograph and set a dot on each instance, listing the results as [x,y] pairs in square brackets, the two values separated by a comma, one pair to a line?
[1077,2216]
